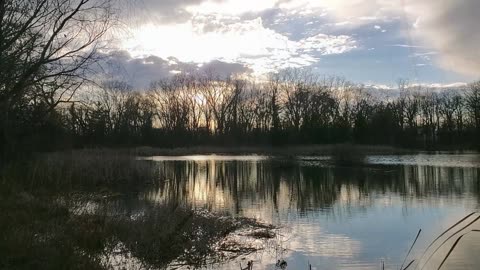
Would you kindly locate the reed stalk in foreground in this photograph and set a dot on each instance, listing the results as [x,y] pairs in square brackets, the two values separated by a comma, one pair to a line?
[459,234]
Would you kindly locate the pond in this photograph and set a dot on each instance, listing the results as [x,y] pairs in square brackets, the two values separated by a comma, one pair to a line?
[332,217]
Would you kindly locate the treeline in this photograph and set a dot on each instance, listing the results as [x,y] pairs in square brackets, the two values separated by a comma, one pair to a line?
[291,107]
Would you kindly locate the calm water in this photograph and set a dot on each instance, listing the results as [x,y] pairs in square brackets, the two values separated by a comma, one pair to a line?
[331,217]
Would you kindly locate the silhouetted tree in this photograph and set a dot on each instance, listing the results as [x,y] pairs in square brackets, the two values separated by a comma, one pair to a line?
[46,49]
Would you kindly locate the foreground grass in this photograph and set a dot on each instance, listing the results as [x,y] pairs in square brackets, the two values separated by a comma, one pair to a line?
[47,220]
[37,233]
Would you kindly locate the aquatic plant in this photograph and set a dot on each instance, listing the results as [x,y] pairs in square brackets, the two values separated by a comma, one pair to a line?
[348,155]
[442,240]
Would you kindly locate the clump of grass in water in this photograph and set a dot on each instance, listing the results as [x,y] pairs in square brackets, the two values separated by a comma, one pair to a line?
[348,155]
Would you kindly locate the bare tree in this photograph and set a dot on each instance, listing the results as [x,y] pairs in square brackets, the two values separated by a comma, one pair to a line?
[450,108]
[473,104]
[222,98]
[46,50]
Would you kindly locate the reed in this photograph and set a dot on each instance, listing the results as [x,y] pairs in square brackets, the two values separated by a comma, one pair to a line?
[441,241]
[82,169]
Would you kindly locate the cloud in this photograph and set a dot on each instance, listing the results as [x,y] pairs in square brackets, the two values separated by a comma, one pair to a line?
[231,39]
[355,11]
[140,72]
[447,26]
[233,6]
[179,11]
[327,44]
[223,69]
[450,27]
[159,11]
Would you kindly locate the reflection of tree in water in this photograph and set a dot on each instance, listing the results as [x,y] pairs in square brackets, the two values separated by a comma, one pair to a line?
[233,186]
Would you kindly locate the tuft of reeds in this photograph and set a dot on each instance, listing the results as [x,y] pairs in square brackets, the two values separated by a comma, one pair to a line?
[348,155]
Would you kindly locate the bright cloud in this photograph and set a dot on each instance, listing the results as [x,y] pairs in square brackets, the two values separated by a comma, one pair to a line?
[246,41]
[232,6]
[450,27]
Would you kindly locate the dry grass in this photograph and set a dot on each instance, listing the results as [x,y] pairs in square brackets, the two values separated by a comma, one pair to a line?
[82,169]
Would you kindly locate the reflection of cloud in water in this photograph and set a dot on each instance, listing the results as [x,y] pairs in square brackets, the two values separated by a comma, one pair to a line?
[465,256]
[311,239]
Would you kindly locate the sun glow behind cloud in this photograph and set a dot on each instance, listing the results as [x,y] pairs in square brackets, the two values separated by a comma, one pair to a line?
[247,42]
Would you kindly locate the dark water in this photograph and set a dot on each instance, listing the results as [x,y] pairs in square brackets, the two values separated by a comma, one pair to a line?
[334,217]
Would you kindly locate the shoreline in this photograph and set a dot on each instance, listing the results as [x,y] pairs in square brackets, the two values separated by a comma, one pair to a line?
[290,150]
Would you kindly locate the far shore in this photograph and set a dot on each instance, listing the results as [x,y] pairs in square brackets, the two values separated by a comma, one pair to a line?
[291,150]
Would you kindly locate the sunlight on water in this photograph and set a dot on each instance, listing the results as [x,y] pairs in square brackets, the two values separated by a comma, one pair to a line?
[332,218]
[207,158]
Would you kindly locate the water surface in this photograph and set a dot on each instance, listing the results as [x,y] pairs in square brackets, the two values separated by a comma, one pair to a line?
[333,217]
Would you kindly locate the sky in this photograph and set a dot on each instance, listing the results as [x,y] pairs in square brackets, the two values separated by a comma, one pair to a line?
[366,41]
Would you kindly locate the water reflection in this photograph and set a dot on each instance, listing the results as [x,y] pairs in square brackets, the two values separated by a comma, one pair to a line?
[235,186]
[338,218]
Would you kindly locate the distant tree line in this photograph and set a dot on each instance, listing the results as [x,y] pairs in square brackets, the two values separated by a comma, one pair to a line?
[291,107]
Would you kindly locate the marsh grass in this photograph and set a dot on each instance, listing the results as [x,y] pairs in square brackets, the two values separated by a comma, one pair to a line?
[81,170]
[42,235]
[36,234]
[45,221]
[188,237]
